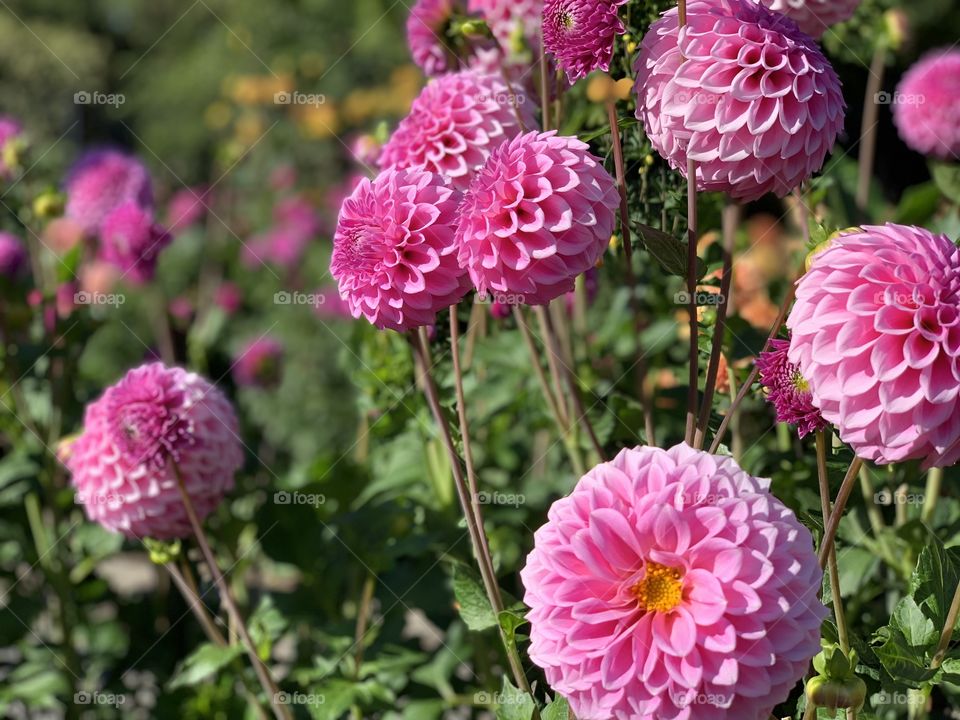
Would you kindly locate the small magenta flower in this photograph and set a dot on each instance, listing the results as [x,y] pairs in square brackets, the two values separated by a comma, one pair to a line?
[229,298]
[186,208]
[814,17]
[455,123]
[580,34]
[153,425]
[876,332]
[394,255]
[539,213]
[427,37]
[259,363]
[102,180]
[13,255]
[926,105]
[131,241]
[670,580]
[787,390]
[741,91]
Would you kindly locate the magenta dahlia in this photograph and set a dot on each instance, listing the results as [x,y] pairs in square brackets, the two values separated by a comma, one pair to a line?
[455,124]
[755,103]
[539,213]
[672,584]
[154,424]
[926,105]
[814,17]
[259,362]
[512,22]
[787,390]
[13,255]
[394,255]
[131,241]
[876,333]
[580,34]
[427,36]
[100,181]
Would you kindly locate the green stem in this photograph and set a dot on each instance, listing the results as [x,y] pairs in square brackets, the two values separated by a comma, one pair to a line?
[932,494]
[832,558]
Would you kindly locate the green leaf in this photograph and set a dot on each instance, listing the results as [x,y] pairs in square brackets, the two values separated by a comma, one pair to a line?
[918,204]
[947,177]
[559,709]
[900,659]
[475,608]
[935,580]
[669,251]
[205,661]
[512,704]
[917,628]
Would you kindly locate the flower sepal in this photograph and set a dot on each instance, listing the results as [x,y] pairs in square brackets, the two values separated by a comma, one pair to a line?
[837,685]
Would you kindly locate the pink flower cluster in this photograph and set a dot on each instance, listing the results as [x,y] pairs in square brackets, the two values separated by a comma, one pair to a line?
[876,333]
[155,428]
[672,580]
[295,225]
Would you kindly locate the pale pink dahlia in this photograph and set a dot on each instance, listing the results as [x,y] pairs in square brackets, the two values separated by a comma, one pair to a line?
[512,22]
[455,123]
[580,34]
[100,181]
[672,585]
[539,213]
[755,103]
[926,105]
[154,423]
[393,251]
[814,17]
[131,241]
[876,333]
[787,390]
[427,27]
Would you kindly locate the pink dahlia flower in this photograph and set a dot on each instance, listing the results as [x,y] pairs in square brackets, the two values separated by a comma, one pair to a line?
[393,251]
[787,389]
[539,213]
[455,123]
[153,424]
[814,17]
[258,363]
[427,37]
[102,180]
[876,333]
[755,103]
[580,34]
[13,255]
[926,105]
[670,585]
[131,241]
[512,22]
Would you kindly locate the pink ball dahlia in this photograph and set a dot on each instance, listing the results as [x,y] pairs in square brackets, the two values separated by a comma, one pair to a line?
[926,105]
[258,363]
[814,17]
[427,27]
[455,124]
[155,418]
[100,181]
[670,584]
[876,333]
[539,213]
[131,241]
[787,389]
[580,34]
[755,103]
[393,251]
[511,21]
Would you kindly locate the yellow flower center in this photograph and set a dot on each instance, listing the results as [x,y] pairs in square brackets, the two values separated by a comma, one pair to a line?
[661,588]
[800,382]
